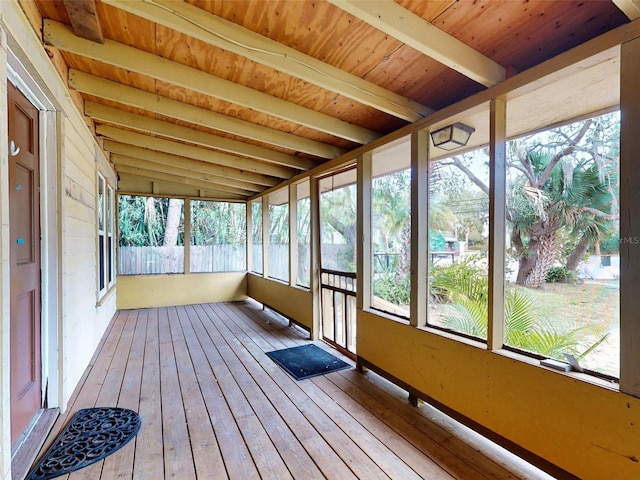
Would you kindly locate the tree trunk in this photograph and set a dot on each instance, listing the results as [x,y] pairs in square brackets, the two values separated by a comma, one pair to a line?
[525,265]
[150,220]
[544,259]
[173,223]
[574,259]
[536,258]
[405,251]
[526,256]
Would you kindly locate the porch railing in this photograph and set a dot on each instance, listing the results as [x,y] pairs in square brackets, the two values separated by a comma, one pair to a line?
[338,297]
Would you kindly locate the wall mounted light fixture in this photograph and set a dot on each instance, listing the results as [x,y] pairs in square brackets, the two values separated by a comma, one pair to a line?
[452,136]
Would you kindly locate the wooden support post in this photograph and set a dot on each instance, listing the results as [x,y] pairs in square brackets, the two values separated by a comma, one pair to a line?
[363,233]
[293,234]
[265,236]
[419,228]
[629,218]
[497,222]
[187,236]
[249,243]
[314,256]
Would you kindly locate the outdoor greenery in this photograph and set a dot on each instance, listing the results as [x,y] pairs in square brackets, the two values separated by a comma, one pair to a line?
[155,221]
[391,225]
[150,221]
[218,223]
[561,207]
[338,228]
[461,290]
[560,273]
[562,191]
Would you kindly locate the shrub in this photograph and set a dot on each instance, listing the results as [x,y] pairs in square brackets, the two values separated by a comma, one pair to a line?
[560,274]
[392,287]
[556,274]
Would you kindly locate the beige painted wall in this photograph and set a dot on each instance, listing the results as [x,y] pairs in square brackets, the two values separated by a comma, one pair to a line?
[145,291]
[590,430]
[84,321]
[293,302]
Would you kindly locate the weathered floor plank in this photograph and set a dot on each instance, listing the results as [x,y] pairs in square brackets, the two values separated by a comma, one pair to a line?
[149,458]
[214,405]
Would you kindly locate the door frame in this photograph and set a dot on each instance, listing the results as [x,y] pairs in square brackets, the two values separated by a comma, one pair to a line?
[50,226]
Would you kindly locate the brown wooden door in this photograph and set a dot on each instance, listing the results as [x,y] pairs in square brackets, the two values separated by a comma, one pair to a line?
[24,220]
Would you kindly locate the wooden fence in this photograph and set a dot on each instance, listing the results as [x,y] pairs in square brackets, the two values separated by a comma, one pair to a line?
[210,258]
[159,260]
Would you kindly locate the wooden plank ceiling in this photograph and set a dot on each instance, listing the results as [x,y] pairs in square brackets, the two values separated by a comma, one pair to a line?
[223,99]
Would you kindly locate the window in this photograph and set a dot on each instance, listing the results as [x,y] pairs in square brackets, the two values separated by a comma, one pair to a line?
[102,281]
[338,221]
[563,256]
[279,235]
[151,235]
[218,236]
[391,241]
[304,234]
[256,236]
[457,242]
[106,247]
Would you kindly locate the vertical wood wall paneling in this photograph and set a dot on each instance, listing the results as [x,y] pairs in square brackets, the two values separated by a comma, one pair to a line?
[419,228]
[364,254]
[497,221]
[293,234]
[56,392]
[265,236]
[629,218]
[314,254]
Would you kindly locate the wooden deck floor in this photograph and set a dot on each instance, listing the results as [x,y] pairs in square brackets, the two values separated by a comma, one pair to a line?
[214,406]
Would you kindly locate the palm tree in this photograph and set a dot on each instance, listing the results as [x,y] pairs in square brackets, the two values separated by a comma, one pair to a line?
[464,287]
[563,181]
[574,196]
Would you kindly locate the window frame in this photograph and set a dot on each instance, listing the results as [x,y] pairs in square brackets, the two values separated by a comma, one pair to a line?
[105,229]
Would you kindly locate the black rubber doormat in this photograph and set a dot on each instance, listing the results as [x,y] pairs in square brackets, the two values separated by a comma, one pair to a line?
[91,435]
[307,361]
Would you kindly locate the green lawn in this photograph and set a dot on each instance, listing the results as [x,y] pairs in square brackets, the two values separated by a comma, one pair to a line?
[590,304]
[566,307]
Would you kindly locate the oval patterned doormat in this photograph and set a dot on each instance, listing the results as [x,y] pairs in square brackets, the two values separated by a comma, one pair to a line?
[91,435]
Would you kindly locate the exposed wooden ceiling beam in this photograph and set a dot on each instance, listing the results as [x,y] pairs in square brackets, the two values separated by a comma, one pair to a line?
[114,116]
[60,36]
[84,19]
[418,33]
[631,8]
[154,176]
[133,97]
[190,151]
[177,171]
[197,23]
[134,185]
[129,184]
[224,175]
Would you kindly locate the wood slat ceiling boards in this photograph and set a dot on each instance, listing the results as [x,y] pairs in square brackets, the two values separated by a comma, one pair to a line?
[224,99]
